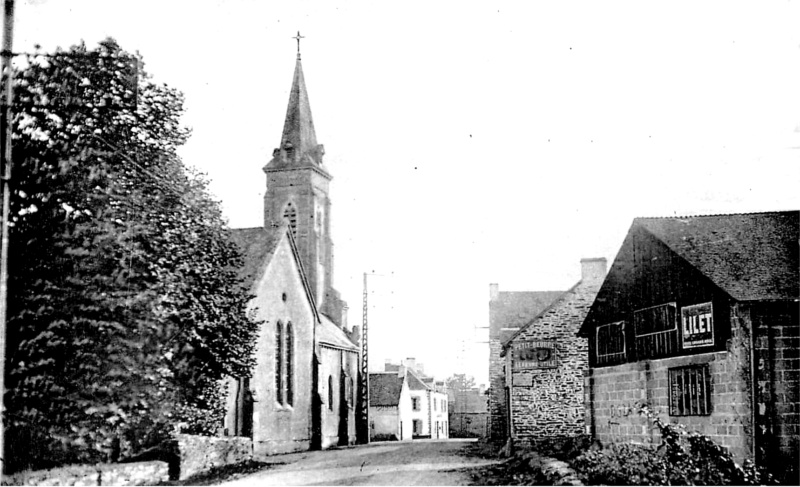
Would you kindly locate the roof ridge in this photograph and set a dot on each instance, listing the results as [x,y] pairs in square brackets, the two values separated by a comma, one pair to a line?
[709,215]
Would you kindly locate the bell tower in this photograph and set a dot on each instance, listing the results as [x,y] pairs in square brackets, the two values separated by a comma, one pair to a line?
[297,191]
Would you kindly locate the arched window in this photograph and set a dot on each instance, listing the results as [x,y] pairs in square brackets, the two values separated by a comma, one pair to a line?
[290,214]
[330,392]
[352,392]
[279,363]
[289,364]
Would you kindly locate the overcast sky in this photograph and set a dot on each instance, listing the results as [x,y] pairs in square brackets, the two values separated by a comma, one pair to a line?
[474,142]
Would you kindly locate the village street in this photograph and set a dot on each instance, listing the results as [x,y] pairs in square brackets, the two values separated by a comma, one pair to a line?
[421,462]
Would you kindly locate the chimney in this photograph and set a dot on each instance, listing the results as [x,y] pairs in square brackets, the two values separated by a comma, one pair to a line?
[411,363]
[344,318]
[494,291]
[593,270]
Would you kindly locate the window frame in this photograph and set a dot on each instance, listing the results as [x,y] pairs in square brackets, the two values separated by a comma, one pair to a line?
[700,390]
[279,397]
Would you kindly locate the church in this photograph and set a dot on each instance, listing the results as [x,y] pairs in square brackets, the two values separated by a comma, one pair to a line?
[302,391]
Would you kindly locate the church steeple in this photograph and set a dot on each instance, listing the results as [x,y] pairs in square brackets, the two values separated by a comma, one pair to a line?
[298,145]
[298,192]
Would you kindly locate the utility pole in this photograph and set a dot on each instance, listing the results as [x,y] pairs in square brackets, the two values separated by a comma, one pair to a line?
[362,434]
[5,178]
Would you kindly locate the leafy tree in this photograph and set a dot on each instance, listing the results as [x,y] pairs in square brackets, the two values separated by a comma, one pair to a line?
[125,309]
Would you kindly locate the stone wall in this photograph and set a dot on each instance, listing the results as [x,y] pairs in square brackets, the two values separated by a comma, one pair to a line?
[139,473]
[548,402]
[497,392]
[777,359]
[196,454]
[617,392]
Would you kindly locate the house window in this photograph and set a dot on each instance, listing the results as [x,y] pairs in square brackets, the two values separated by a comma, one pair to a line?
[330,392]
[279,363]
[290,215]
[289,364]
[415,403]
[534,355]
[690,391]
[656,330]
[434,404]
[610,343]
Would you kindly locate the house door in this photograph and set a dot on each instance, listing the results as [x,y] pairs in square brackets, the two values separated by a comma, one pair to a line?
[417,427]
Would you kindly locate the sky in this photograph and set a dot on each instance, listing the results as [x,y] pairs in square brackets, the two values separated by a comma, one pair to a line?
[473,142]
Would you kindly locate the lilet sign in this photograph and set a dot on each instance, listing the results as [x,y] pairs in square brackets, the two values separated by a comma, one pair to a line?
[697,325]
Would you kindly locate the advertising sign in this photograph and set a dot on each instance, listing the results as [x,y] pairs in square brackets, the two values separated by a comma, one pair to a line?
[697,324]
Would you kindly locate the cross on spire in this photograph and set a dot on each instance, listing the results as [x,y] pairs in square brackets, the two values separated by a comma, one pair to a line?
[298,37]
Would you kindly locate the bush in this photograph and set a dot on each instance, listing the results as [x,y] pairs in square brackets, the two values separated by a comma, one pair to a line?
[681,459]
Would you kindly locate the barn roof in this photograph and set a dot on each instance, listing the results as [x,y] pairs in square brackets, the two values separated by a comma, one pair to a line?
[385,388]
[752,256]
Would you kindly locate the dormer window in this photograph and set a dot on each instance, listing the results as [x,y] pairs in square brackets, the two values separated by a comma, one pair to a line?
[290,215]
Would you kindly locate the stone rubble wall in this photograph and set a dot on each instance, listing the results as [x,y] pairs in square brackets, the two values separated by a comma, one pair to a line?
[139,473]
[197,454]
[549,402]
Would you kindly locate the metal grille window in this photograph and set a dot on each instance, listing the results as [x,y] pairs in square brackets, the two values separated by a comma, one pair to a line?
[534,355]
[610,345]
[690,391]
[656,330]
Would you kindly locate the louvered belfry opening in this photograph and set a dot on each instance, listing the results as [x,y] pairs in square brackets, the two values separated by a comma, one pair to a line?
[290,215]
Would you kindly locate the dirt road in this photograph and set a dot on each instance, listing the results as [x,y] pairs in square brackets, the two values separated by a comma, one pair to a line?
[421,462]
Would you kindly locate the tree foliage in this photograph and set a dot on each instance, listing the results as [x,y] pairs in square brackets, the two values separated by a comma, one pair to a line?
[125,309]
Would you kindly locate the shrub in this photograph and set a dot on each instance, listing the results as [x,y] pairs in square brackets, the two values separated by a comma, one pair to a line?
[682,458]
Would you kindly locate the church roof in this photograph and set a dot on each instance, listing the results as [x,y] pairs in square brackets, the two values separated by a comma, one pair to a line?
[298,146]
[385,388]
[257,245]
[752,256]
[330,334]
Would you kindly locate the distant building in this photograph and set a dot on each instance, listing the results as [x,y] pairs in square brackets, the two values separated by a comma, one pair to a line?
[302,391]
[546,362]
[698,317]
[390,407]
[428,397]
[468,412]
[508,312]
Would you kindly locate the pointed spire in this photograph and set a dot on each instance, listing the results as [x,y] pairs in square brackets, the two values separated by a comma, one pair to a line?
[299,138]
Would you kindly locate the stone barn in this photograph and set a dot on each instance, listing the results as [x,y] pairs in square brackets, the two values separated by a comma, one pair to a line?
[698,318]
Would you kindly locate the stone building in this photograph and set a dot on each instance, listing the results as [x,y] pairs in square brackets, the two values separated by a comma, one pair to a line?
[468,412]
[390,407]
[302,391]
[546,361]
[698,318]
[508,312]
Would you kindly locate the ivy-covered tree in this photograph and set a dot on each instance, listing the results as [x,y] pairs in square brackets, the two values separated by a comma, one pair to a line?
[125,309]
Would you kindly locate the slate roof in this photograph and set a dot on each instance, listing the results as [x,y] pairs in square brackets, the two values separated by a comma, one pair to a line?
[298,135]
[330,334]
[385,388]
[514,334]
[752,256]
[414,382]
[257,245]
[513,309]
